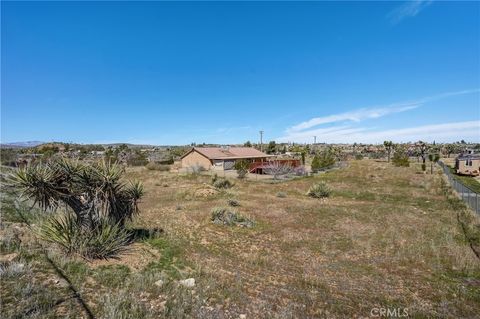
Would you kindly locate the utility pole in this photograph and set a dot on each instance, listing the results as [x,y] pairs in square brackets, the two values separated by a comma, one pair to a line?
[314,140]
[261,141]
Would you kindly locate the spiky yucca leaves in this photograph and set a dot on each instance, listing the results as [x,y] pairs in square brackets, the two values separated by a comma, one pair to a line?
[39,183]
[91,191]
[319,190]
[105,240]
[61,230]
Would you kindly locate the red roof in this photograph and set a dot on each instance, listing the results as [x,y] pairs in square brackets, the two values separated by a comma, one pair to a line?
[226,153]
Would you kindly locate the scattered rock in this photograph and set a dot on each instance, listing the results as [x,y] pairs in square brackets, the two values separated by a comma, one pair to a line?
[190,282]
[159,283]
[243,316]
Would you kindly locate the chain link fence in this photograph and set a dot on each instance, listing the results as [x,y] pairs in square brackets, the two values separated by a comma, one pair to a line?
[471,198]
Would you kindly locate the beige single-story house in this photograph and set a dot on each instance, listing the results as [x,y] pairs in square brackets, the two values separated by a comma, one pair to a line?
[468,164]
[221,158]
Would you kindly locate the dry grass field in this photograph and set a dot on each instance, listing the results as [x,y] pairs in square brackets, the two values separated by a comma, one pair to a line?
[387,237]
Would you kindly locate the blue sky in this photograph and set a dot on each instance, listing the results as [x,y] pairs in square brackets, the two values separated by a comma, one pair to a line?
[218,72]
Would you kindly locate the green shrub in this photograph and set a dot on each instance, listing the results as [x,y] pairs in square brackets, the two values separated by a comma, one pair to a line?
[214,178]
[137,159]
[400,157]
[319,190]
[325,159]
[424,167]
[242,167]
[226,216]
[157,167]
[105,240]
[222,183]
[358,157]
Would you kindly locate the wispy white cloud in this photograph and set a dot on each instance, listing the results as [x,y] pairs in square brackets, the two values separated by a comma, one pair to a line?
[354,116]
[445,132]
[373,112]
[407,10]
[346,127]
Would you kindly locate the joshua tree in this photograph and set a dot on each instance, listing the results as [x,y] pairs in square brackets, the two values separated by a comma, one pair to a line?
[272,147]
[388,147]
[451,148]
[422,149]
[91,191]
[433,158]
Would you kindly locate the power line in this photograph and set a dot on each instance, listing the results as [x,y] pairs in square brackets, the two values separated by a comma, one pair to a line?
[261,141]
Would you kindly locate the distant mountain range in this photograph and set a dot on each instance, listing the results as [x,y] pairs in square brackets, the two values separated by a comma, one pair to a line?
[36,143]
[21,144]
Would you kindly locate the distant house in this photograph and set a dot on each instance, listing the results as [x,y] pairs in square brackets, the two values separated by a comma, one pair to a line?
[221,158]
[468,164]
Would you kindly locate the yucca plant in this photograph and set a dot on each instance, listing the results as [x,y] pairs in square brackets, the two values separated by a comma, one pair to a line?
[62,231]
[319,190]
[91,191]
[229,217]
[105,240]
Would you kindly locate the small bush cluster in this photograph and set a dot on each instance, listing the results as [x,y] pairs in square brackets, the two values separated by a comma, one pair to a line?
[105,240]
[400,158]
[157,167]
[195,169]
[229,217]
[221,183]
[242,167]
[319,190]
[323,160]
[281,195]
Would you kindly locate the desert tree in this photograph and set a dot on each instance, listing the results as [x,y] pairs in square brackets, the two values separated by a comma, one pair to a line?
[400,157]
[92,192]
[451,149]
[388,148]
[272,147]
[433,158]
[326,158]
[302,154]
[422,148]
[242,167]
